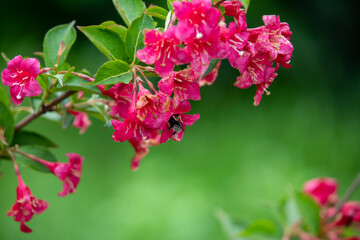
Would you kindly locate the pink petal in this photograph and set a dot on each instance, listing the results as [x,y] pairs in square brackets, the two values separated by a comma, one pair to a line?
[15,63]
[32,66]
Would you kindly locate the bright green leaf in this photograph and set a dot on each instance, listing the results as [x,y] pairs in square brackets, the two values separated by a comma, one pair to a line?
[309,211]
[156,11]
[106,40]
[24,137]
[211,67]
[129,9]
[38,151]
[75,83]
[119,29]
[135,37]
[6,122]
[113,72]
[245,4]
[3,96]
[65,34]
[170,4]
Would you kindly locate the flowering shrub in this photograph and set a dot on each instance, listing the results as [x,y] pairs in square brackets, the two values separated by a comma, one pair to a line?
[143,91]
[316,213]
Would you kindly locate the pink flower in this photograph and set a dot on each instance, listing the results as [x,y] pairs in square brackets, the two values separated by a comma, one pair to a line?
[142,149]
[162,50]
[349,213]
[273,38]
[178,121]
[183,83]
[202,51]
[152,109]
[142,120]
[321,189]
[81,120]
[69,173]
[26,206]
[197,19]
[122,94]
[20,75]
[238,40]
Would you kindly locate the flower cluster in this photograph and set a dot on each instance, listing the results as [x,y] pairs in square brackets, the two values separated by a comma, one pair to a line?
[199,34]
[334,218]
[27,205]
[181,54]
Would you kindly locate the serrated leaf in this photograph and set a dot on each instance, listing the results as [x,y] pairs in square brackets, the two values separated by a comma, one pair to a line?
[106,40]
[113,72]
[309,212]
[75,83]
[245,4]
[156,11]
[65,34]
[211,67]
[119,29]
[25,137]
[38,151]
[129,10]
[134,37]
[6,122]
[3,96]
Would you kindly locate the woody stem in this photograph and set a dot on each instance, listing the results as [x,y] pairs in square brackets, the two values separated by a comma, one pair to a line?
[43,109]
[350,191]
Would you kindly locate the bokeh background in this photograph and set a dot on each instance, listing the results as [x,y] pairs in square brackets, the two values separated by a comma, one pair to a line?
[237,157]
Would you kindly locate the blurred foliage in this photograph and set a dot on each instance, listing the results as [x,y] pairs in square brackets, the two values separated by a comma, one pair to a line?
[237,157]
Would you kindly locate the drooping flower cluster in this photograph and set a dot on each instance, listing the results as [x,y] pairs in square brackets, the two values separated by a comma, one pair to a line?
[196,35]
[27,205]
[334,220]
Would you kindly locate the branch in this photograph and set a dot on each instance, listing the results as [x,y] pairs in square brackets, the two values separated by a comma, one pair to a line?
[43,109]
[347,196]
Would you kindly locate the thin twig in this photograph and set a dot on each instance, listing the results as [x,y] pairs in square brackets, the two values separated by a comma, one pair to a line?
[347,196]
[43,109]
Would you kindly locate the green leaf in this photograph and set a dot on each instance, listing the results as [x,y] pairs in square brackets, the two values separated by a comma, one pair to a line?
[259,227]
[38,151]
[211,67]
[156,11]
[129,9]
[135,37]
[75,83]
[119,29]
[170,4]
[309,212]
[113,72]
[4,98]
[245,4]
[6,122]
[24,137]
[65,34]
[106,40]
[36,103]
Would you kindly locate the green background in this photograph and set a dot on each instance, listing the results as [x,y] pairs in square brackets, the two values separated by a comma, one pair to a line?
[237,157]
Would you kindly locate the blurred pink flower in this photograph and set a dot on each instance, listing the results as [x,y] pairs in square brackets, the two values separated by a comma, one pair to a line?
[26,206]
[321,189]
[81,120]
